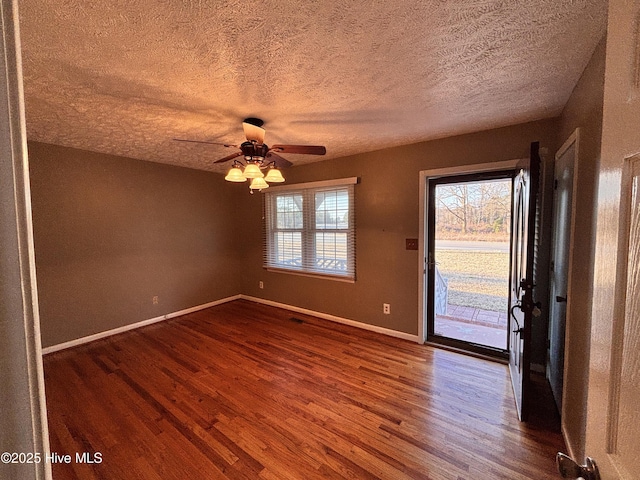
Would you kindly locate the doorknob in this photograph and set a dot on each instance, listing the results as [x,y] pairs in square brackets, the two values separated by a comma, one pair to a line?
[568,468]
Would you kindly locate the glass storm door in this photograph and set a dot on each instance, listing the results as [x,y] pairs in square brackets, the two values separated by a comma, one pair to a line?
[521,303]
[469,225]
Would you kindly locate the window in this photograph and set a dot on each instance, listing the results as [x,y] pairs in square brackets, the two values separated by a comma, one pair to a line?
[310,228]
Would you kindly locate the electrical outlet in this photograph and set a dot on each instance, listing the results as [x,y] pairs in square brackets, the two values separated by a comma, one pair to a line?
[261,284]
[386,308]
[154,300]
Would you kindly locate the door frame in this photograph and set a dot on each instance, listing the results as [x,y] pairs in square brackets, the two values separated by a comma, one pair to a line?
[21,355]
[423,208]
[573,139]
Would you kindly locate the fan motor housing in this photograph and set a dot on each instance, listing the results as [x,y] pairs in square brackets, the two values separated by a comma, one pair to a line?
[253,151]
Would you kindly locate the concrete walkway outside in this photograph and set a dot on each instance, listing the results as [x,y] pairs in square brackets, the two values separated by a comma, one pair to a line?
[473,325]
[476,316]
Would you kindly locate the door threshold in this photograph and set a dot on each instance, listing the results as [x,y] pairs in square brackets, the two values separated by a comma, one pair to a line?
[498,358]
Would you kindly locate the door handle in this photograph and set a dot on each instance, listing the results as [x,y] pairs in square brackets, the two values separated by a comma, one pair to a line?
[568,468]
[519,329]
[561,299]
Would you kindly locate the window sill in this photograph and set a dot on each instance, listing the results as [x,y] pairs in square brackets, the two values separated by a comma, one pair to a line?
[324,276]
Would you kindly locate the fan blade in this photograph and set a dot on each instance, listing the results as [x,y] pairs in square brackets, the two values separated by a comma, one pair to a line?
[301,149]
[228,157]
[205,142]
[253,133]
[278,160]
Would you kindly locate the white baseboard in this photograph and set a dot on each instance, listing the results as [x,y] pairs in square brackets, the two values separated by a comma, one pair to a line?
[132,326]
[325,316]
[333,318]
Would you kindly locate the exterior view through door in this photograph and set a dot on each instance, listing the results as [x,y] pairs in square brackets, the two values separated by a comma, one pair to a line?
[469,230]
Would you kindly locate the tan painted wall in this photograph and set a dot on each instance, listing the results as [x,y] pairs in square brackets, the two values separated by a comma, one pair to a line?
[111,232]
[387,212]
[583,110]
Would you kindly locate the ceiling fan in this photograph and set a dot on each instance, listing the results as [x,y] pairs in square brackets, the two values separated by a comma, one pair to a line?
[259,156]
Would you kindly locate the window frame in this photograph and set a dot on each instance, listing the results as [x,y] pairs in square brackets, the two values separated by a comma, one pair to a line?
[309,230]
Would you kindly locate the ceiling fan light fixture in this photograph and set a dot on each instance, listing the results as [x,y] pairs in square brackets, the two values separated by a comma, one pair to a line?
[274,176]
[258,184]
[252,170]
[235,175]
[258,156]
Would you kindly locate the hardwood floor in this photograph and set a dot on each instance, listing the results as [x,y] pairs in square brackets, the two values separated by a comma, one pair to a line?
[245,391]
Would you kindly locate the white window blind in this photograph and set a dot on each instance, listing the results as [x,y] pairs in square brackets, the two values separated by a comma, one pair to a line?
[310,229]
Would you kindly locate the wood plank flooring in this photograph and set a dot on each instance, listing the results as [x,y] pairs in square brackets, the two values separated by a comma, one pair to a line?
[246,391]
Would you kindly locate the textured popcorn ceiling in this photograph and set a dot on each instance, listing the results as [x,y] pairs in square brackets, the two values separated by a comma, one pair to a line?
[125,77]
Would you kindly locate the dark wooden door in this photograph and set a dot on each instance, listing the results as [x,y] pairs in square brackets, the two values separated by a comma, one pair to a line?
[521,303]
